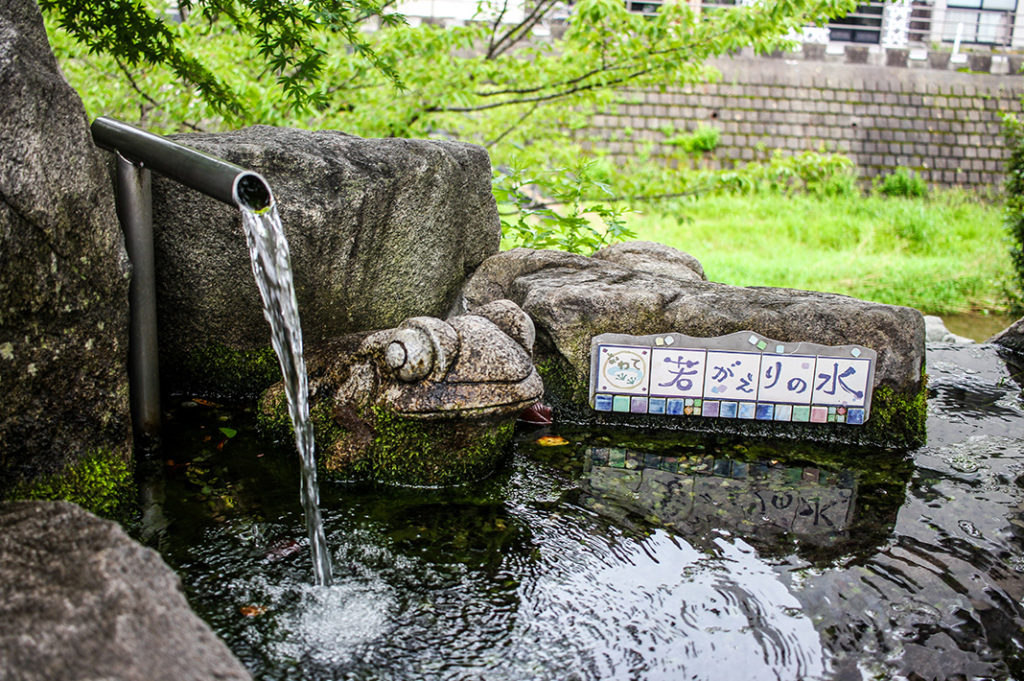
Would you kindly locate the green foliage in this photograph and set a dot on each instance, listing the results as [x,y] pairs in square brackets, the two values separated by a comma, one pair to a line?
[941,255]
[701,141]
[137,35]
[902,183]
[1014,217]
[561,217]
[488,82]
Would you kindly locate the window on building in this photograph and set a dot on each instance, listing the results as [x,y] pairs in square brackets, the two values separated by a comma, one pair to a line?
[863,25]
[979,21]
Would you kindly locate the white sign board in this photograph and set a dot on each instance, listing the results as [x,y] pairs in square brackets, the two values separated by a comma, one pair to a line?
[742,375]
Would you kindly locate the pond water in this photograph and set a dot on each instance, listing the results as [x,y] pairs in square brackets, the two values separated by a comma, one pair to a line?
[976,326]
[622,556]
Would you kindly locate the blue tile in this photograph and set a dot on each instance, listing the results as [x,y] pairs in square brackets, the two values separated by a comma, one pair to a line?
[656,405]
[727,410]
[603,402]
[783,412]
[674,406]
[855,415]
[746,410]
[765,412]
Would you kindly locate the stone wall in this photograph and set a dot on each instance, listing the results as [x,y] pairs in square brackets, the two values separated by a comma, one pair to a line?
[943,123]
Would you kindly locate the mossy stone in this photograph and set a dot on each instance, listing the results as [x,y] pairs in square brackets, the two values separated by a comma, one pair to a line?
[102,482]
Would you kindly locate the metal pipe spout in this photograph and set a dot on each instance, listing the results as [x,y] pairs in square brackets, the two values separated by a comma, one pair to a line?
[212,176]
[139,152]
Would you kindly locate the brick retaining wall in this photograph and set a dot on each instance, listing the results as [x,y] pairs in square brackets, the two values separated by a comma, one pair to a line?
[945,124]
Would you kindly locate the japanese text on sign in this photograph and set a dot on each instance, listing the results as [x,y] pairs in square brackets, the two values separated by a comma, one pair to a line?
[741,375]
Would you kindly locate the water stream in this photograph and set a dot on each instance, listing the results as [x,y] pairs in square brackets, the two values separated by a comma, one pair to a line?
[271,266]
[624,555]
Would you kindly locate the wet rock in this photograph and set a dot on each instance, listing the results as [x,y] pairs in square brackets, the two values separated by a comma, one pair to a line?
[379,230]
[573,298]
[64,274]
[79,599]
[430,402]
[1011,338]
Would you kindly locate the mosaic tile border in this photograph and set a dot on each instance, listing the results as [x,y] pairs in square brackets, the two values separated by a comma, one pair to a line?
[743,376]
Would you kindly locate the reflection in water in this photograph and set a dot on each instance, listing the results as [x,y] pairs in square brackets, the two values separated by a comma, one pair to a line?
[652,559]
[693,495]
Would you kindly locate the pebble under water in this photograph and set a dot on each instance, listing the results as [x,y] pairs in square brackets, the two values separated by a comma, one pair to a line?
[621,556]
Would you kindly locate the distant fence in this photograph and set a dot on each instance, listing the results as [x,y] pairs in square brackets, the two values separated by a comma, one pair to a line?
[943,123]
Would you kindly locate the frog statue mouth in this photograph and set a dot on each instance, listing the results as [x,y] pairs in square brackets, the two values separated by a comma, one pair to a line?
[472,366]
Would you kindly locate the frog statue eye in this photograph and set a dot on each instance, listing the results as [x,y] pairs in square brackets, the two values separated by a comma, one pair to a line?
[411,354]
[423,347]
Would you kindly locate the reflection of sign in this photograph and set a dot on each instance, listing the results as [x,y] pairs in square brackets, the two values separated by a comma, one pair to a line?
[697,491]
[742,375]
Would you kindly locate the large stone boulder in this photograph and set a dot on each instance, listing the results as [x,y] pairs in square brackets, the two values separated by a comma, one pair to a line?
[63,281]
[79,599]
[642,289]
[379,230]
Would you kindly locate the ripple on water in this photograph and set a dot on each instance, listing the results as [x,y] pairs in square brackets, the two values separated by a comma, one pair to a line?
[662,568]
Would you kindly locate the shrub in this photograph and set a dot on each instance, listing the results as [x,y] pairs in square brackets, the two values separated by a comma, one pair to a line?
[1014,190]
[902,182]
[702,140]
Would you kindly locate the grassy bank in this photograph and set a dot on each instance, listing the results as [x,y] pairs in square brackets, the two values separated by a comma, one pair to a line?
[945,254]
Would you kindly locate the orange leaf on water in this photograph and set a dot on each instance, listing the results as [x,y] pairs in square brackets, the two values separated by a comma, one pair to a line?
[552,441]
[252,610]
[205,403]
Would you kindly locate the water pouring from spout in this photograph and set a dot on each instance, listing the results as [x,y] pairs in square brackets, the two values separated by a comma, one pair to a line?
[271,267]
[138,152]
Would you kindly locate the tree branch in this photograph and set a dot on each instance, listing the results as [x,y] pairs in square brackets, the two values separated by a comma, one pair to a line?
[509,129]
[156,105]
[510,37]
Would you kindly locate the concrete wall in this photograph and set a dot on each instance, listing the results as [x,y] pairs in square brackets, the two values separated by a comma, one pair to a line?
[943,123]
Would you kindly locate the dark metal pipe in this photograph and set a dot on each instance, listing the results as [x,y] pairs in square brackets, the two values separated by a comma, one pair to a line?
[212,176]
[138,152]
[135,211]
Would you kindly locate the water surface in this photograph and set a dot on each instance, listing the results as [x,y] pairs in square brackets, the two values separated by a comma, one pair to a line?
[623,557]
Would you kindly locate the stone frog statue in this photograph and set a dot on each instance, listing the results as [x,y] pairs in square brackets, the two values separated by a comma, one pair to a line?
[431,402]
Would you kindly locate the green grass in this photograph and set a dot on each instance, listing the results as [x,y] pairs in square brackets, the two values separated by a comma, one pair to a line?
[945,254]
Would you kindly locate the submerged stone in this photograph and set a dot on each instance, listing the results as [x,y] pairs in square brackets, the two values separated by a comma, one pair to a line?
[379,230]
[63,279]
[573,298]
[430,402]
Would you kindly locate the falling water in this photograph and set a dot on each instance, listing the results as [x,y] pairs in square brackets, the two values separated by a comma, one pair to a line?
[271,266]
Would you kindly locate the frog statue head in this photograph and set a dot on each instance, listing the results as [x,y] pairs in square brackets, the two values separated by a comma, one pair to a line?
[430,402]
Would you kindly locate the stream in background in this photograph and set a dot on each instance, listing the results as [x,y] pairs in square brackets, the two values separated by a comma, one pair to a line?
[620,555]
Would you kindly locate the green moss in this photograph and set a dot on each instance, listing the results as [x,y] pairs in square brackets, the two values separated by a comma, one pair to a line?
[273,419]
[101,482]
[432,453]
[897,418]
[563,385]
[223,371]
[392,449]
